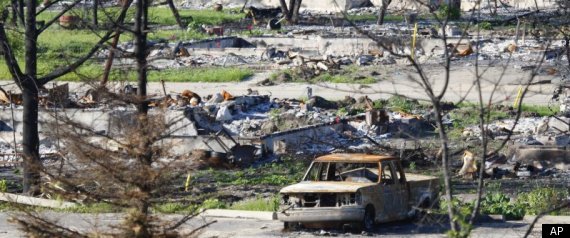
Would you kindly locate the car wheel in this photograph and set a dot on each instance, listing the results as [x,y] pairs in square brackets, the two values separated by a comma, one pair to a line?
[291,226]
[368,221]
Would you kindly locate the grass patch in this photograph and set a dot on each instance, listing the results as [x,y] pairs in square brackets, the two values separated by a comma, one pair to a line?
[343,79]
[543,111]
[93,208]
[403,104]
[163,16]
[288,171]
[270,204]
[156,15]
[210,75]
[296,76]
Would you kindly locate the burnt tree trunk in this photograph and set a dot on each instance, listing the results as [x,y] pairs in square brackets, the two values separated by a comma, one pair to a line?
[21,11]
[144,154]
[295,14]
[175,13]
[30,90]
[383,9]
[285,10]
[30,139]
[141,23]
[14,5]
[291,11]
[95,9]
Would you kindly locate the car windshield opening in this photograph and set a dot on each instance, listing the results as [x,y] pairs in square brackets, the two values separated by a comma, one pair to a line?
[338,171]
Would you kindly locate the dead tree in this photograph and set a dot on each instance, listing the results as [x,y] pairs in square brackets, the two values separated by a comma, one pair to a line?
[435,96]
[382,11]
[291,11]
[130,167]
[30,82]
[95,15]
[175,14]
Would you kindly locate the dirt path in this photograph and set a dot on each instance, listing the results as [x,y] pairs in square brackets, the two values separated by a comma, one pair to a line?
[397,82]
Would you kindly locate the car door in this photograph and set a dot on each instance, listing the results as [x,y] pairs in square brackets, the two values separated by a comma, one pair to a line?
[400,189]
[389,191]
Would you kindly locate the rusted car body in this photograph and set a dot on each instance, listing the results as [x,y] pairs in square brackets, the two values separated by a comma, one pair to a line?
[355,189]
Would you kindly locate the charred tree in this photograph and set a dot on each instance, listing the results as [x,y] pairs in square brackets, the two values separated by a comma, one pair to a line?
[30,83]
[175,14]
[291,11]
[383,9]
[95,9]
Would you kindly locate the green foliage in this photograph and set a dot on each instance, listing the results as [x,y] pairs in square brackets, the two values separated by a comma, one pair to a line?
[413,166]
[275,174]
[402,104]
[468,114]
[462,213]
[211,75]
[499,203]
[486,25]
[175,207]
[542,199]
[93,208]
[270,204]
[342,111]
[447,12]
[213,203]
[326,77]
[4,206]
[543,111]
[163,16]
[3,186]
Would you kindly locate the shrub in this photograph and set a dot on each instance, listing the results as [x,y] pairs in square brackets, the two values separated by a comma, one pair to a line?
[445,11]
[542,199]
[499,203]
[486,25]
[270,204]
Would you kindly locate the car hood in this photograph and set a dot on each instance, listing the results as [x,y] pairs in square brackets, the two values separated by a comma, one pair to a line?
[324,187]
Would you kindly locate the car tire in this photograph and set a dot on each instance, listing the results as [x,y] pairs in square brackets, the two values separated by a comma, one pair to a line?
[291,226]
[368,220]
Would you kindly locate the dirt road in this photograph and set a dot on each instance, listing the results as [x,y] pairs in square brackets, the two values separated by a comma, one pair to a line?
[238,227]
[501,85]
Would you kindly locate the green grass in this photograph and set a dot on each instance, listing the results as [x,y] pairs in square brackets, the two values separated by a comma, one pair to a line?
[374,17]
[93,208]
[347,76]
[402,104]
[270,204]
[178,35]
[288,171]
[158,15]
[163,16]
[90,71]
[210,75]
[342,79]
[542,111]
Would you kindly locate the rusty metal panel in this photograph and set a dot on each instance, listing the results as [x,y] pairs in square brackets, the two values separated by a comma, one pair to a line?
[353,158]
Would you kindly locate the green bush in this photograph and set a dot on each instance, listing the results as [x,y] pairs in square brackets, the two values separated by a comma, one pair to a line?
[258,204]
[3,186]
[445,11]
[403,104]
[486,25]
[542,199]
[499,203]
[213,203]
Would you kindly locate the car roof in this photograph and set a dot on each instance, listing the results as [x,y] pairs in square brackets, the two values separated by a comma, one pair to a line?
[354,158]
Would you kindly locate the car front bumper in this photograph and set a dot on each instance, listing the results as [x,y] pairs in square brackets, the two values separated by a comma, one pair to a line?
[322,214]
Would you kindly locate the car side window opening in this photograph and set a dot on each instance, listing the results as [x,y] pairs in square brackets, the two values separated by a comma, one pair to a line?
[400,172]
[387,177]
[314,173]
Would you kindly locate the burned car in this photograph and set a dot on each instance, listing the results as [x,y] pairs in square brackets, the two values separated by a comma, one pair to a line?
[355,189]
